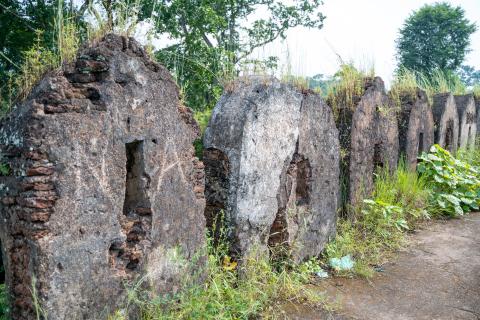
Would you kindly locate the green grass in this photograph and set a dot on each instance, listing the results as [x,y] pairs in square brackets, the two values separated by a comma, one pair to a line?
[378,228]
[255,288]
[476,91]
[348,82]
[407,81]
[4,307]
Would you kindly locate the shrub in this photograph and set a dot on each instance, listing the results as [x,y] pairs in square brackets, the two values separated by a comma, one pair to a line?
[455,184]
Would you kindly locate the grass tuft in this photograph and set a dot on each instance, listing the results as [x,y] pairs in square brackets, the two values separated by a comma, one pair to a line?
[398,202]
[254,288]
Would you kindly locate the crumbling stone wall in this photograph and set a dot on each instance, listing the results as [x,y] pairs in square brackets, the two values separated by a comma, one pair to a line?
[477,107]
[415,126]
[104,186]
[368,139]
[445,117]
[467,117]
[271,157]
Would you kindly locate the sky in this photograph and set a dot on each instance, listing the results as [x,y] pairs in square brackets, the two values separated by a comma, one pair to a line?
[362,31]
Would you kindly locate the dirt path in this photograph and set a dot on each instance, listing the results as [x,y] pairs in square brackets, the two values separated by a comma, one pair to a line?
[436,277]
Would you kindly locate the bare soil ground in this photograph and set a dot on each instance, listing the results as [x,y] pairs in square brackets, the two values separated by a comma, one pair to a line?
[436,277]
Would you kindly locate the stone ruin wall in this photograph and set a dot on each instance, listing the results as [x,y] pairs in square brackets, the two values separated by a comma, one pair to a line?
[271,156]
[445,116]
[477,107]
[104,186]
[415,126]
[368,138]
[467,129]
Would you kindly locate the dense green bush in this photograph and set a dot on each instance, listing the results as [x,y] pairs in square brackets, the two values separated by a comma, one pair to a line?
[455,184]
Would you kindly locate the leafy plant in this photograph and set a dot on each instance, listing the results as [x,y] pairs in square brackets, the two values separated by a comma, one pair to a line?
[250,288]
[398,201]
[455,184]
[4,306]
[4,169]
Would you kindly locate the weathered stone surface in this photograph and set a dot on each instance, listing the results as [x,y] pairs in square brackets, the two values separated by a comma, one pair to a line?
[467,116]
[445,117]
[271,163]
[368,139]
[477,107]
[104,186]
[415,126]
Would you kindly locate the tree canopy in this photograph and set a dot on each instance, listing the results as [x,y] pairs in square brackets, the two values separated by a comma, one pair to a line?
[434,37]
[210,38]
[214,37]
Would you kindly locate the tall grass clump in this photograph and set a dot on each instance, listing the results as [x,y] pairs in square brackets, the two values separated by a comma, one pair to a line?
[202,117]
[407,81]
[444,81]
[398,202]
[347,83]
[476,91]
[248,289]
[40,58]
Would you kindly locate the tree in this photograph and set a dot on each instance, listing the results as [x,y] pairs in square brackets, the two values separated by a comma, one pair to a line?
[469,76]
[19,22]
[214,37]
[435,37]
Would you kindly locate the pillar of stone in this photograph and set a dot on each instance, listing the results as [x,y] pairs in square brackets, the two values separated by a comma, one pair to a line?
[271,162]
[477,107]
[368,139]
[467,118]
[415,126]
[445,117]
[104,188]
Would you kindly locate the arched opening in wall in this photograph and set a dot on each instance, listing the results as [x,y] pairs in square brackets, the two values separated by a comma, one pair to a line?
[449,135]
[469,137]
[137,212]
[217,173]
[421,143]
[303,182]
[294,201]
[378,162]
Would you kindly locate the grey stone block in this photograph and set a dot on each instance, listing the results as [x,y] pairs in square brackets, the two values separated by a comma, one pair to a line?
[271,157]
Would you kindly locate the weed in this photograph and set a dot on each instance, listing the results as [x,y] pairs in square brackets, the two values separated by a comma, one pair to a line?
[407,81]
[348,83]
[398,201]
[253,288]
[455,184]
[4,306]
